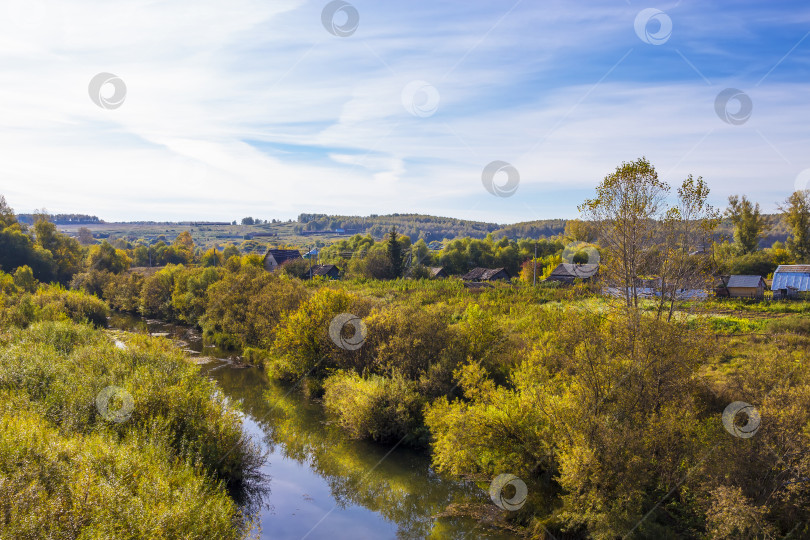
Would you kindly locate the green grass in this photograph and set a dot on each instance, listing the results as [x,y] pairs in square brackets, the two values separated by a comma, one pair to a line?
[67,470]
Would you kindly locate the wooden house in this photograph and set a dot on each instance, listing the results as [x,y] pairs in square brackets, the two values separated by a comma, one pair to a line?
[437,272]
[326,270]
[567,272]
[276,257]
[746,287]
[486,274]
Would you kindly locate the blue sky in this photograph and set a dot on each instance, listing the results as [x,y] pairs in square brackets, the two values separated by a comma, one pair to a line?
[254,108]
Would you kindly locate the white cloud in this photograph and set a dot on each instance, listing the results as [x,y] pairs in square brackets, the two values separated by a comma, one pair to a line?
[251,107]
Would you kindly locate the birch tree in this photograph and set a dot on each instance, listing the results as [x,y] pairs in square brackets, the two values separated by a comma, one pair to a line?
[625,211]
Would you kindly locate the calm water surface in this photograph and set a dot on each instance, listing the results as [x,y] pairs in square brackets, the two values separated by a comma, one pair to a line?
[319,484]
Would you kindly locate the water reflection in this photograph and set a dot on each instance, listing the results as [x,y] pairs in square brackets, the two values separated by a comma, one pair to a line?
[319,484]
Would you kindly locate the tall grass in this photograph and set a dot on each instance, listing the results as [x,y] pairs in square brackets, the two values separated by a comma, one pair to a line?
[66,471]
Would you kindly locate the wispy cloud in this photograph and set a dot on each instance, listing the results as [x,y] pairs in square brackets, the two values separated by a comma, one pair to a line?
[252,107]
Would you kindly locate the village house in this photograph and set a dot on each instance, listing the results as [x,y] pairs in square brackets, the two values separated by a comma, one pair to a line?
[738,286]
[326,270]
[486,274]
[790,279]
[276,257]
[567,272]
[437,272]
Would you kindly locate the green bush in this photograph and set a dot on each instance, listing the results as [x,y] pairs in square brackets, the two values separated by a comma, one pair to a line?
[56,302]
[156,294]
[244,307]
[93,485]
[66,470]
[303,346]
[405,339]
[61,367]
[387,410]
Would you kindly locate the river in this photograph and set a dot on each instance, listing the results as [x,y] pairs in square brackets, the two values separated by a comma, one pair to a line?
[319,484]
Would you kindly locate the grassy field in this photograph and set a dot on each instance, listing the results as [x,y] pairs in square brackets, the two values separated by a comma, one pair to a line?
[206,236]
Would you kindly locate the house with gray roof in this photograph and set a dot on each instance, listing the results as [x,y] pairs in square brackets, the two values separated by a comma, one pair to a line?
[276,257]
[486,274]
[745,286]
[568,272]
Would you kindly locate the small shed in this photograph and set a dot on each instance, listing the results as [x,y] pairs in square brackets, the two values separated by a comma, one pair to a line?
[276,257]
[326,270]
[790,279]
[437,272]
[486,274]
[568,272]
[746,286]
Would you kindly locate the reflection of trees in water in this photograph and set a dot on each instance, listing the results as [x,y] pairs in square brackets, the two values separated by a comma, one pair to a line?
[401,487]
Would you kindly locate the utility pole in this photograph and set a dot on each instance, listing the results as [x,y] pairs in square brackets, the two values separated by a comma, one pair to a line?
[534,266]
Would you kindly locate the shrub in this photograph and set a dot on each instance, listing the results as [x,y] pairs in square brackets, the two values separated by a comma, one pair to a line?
[405,340]
[60,368]
[58,485]
[303,346]
[244,308]
[123,291]
[383,409]
[156,294]
[190,294]
[55,303]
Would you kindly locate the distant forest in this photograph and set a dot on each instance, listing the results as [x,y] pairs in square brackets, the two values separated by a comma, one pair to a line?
[427,228]
[60,219]
[432,228]
[416,226]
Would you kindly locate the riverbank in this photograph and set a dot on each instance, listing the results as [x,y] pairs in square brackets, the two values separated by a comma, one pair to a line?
[319,482]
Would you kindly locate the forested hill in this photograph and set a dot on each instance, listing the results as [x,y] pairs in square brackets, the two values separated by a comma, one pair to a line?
[423,226]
